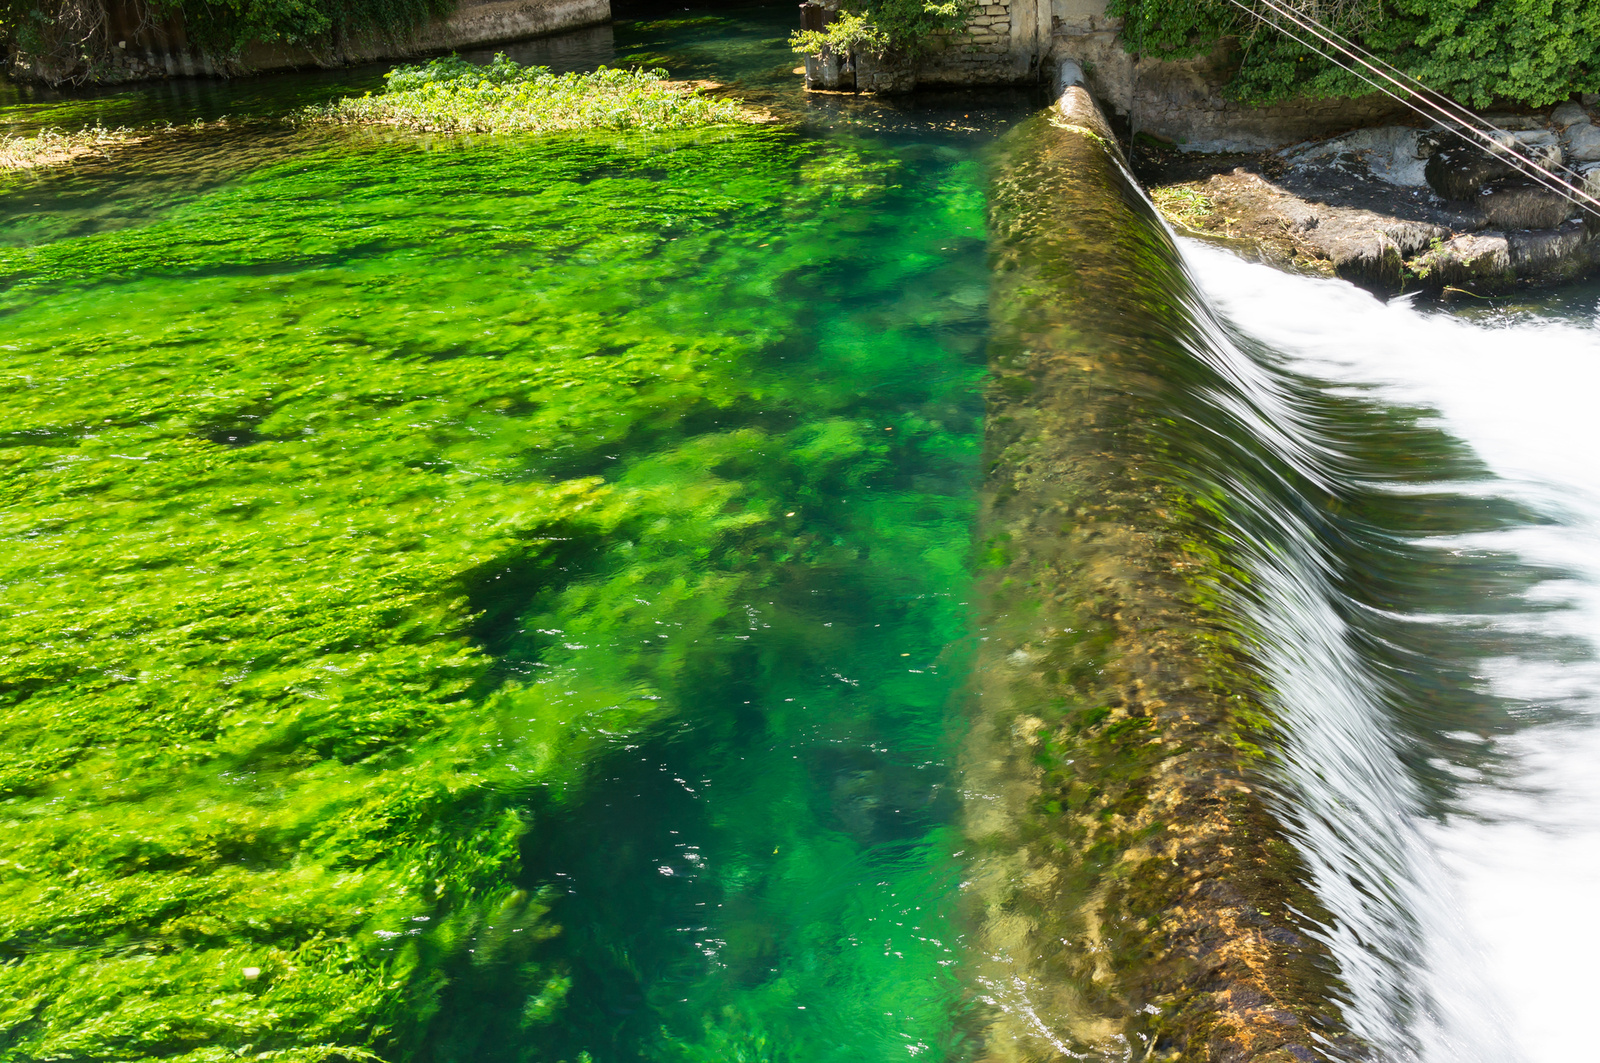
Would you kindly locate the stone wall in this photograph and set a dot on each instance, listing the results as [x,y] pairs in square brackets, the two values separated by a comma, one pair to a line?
[137,46]
[1182,101]
[1018,41]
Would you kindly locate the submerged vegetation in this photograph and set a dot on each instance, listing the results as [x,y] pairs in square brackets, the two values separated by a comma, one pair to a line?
[453,95]
[462,468]
[51,147]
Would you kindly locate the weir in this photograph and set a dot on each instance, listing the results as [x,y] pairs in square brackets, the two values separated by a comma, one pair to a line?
[1214,655]
[1109,769]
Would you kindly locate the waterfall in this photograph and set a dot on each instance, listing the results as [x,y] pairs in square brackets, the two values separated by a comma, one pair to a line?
[1251,654]
[1506,865]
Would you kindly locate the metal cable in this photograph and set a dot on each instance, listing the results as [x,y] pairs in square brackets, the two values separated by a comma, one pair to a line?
[1410,82]
[1528,166]
[1438,101]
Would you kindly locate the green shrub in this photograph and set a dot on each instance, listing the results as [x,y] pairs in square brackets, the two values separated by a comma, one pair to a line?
[454,95]
[881,26]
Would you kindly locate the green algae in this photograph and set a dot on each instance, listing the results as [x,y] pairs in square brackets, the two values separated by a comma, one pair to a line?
[360,501]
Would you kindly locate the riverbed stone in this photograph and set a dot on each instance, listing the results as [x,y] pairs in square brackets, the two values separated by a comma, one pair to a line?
[1395,154]
[1552,254]
[1540,145]
[1590,172]
[1479,261]
[1513,122]
[1568,114]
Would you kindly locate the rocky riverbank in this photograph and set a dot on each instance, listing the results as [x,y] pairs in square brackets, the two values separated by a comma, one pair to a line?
[1397,208]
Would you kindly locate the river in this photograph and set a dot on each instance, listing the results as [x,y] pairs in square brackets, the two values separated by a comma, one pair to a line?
[413,542]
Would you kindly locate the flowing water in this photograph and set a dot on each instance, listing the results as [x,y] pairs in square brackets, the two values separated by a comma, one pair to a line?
[599,511]
[1503,869]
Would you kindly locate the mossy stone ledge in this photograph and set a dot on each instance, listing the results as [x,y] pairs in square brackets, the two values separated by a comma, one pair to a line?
[1133,890]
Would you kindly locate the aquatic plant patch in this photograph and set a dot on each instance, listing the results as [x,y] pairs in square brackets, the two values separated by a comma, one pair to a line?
[52,147]
[451,94]
[353,511]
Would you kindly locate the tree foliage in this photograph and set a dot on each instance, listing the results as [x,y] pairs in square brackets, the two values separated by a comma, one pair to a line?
[879,26]
[1481,52]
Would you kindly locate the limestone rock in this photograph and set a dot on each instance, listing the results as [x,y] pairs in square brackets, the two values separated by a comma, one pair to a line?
[1515,122]
[1460,172]
[1568,114]
[1478,260]
[1394,154]
[1540,145]
[1583,142]
[1522,203]
[1590,172]
[1552,254]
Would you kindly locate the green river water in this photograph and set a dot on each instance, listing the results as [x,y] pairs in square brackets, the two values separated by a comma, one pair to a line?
[488,598]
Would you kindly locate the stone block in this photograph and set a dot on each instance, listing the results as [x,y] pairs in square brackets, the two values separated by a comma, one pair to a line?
[1583,142]
[1569,114]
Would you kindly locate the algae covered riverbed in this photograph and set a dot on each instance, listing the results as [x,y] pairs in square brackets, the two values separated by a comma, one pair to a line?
[487,597]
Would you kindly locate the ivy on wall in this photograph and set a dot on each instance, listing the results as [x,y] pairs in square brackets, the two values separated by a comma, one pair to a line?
[1481,52]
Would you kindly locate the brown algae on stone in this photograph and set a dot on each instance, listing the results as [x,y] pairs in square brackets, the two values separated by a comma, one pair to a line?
[1134,895]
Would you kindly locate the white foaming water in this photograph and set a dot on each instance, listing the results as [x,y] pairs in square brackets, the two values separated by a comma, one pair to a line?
[1502,893]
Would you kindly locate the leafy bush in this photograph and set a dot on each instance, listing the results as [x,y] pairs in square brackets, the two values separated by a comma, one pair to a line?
[880,26]
[454,95]
[1533,52]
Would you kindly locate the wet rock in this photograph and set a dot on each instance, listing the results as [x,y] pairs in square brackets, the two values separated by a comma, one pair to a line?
[1552,254]
[1371,250]
[1522,203]
[1583,142]
[1461,172]
[1540,145]
[1514,122]
[1396,154]
[1478,261]
[1590,172]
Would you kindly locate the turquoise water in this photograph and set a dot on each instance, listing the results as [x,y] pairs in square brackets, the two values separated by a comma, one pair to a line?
[418,541]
